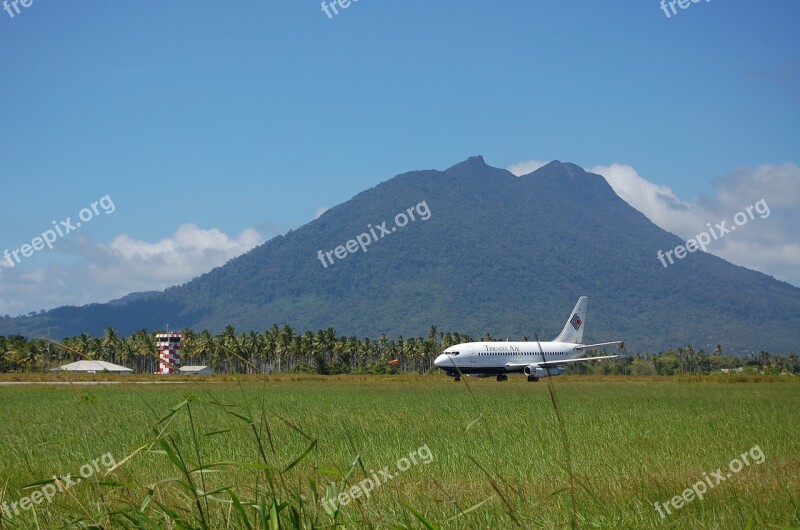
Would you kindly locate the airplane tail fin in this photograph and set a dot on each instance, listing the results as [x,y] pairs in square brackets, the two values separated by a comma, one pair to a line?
[573,329]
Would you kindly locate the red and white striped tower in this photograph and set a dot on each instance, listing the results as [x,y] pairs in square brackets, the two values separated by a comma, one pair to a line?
[169,353]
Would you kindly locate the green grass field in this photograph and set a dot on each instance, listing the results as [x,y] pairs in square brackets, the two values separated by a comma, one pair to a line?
[262,453]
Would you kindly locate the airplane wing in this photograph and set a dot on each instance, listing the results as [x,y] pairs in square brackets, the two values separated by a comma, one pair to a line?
[587,346]
[544,364]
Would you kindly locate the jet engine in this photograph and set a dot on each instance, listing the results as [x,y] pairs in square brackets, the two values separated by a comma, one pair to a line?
[537,371]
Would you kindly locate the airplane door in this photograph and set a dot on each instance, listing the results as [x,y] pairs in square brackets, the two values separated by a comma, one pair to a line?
[473,357]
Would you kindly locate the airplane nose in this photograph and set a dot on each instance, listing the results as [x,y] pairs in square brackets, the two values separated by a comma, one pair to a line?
[440,360]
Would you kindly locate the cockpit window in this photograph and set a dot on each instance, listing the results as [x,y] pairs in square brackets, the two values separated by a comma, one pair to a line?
[453,353]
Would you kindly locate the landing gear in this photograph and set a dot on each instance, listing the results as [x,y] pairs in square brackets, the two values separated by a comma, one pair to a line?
[532,379]
[502,377]
[456,379]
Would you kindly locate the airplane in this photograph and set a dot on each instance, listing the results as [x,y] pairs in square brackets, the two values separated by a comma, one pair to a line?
[534,359]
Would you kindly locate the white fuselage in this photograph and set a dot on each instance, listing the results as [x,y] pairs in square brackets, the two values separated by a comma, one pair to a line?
[492,357]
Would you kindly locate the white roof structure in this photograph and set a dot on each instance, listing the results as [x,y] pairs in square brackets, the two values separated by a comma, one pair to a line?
[197,370]
[91,367]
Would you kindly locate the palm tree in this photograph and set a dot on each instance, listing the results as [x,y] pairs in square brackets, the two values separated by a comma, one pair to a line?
[4,354]
[448,341]
[83,345]
[188,341]
[256,351]
[203,346]
[228,345]
[295,347]
[415,350]
[28,360]
[217,355]
[124,353]
[144,347]
[400,351]
[14,358]
[287,342]
[325,344]
[268,345]
[306,349]
[763,359]
[271,337]
[25,357]
[40,348]
[432,333]
[363,353]
[382,344]
[110,343]
[236,352]
[792,359]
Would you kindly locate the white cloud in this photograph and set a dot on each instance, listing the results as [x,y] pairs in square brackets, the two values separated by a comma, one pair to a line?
[770,244]
[321,210]
[524,168]
[102,272]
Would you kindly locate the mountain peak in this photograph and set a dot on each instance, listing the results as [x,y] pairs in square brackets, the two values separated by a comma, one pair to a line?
[557,166]
[473,162]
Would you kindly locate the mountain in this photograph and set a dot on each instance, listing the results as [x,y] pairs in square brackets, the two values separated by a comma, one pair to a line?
[134,297]
[497,253]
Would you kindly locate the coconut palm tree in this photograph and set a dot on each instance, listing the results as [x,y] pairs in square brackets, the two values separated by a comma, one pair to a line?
[763,360]
[144,348]
[268,345]
[792,360]
[202,346]
[432,333]
[188,341]
[124,353]
[109,344]
[40,349]
[305,352]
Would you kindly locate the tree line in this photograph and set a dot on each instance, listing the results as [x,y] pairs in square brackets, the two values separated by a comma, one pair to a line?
[283,350]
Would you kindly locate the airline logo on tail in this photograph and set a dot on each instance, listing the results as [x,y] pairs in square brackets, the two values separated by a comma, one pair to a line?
[576,322]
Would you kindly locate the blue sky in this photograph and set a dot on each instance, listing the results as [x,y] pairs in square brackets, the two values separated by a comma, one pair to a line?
[214,126]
